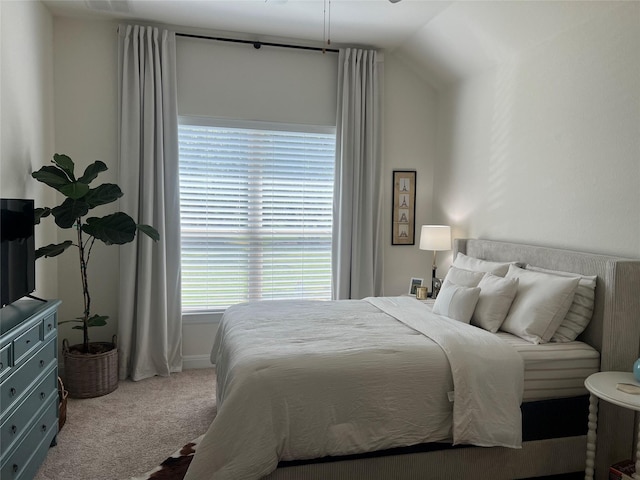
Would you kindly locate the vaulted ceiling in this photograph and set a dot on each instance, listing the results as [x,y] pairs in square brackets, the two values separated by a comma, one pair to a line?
[444,40]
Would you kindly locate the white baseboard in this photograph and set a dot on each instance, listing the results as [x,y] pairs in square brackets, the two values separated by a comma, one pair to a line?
[196,361]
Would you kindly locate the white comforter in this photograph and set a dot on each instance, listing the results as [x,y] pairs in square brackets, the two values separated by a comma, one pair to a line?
[301,380]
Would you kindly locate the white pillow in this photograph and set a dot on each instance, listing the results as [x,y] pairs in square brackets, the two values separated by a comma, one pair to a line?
[581,309]
[477,265]
[456,302]
[496,296]
[540,305]
[462,277]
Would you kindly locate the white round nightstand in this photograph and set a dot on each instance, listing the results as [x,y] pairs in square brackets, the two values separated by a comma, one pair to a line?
[602,385]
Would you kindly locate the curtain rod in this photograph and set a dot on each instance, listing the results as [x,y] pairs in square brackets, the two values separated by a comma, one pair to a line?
[257,44]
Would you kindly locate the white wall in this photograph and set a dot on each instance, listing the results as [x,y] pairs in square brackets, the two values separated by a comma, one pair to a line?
[409,144]
[26,119]
[85,71]
[545,149]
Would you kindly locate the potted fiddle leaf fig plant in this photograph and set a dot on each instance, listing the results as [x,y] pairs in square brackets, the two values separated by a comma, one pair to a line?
[91,368]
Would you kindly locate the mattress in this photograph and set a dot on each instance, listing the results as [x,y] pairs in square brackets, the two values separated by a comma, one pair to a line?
[554,370]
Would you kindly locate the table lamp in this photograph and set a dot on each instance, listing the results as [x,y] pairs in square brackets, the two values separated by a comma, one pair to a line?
[435,238]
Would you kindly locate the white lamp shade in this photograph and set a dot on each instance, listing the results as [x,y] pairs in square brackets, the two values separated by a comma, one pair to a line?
[435,237]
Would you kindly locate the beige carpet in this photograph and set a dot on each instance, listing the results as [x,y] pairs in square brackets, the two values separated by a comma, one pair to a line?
[133,429]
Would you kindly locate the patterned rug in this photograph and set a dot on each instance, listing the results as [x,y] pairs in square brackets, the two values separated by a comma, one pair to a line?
[175,467]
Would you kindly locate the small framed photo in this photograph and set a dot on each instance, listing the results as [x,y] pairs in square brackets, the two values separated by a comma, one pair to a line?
[415,283]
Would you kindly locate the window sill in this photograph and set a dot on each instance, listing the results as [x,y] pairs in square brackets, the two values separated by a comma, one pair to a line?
[195,318]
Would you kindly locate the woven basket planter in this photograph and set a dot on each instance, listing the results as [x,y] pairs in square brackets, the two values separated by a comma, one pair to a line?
[62,405]
[90,375]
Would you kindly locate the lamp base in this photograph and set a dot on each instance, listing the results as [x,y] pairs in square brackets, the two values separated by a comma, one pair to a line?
[436,284]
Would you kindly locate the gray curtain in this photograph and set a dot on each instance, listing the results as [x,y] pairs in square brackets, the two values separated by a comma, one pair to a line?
[357,242]
[149,322]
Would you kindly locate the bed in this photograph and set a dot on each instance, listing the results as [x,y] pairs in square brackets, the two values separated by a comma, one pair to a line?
[446,451]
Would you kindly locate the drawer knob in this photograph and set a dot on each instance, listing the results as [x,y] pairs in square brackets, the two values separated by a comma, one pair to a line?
[41,363]
[14,429]
[12,392]
[43,428]
[1,365]
[49,326]
[43,395]
[28,342]
[15,468]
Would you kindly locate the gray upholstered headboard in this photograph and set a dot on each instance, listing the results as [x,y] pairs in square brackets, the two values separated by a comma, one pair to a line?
[614,329]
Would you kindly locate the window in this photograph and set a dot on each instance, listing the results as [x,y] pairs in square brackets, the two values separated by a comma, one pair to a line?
[256,205]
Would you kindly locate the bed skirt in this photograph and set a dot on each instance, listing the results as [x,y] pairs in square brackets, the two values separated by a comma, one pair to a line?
[535,458]
[547,425]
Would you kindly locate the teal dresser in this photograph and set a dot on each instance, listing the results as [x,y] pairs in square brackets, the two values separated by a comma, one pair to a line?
[28,386]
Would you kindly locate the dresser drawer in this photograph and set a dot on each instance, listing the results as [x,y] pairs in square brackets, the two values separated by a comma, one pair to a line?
[20,464]
[50,326]
[5,360]
[16,425]
[14,387]
[26,342]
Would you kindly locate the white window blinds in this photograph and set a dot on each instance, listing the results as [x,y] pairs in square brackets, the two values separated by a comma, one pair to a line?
[256,212]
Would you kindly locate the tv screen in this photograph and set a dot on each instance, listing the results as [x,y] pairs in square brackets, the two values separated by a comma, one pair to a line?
[17,244]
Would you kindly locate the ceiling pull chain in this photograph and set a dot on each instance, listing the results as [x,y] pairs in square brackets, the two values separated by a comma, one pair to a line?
[329,26]
[324,24]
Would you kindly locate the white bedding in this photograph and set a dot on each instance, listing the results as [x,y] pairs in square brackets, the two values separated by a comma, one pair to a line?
[301,380]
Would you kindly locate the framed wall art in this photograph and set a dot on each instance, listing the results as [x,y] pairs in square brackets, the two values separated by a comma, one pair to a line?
[404,207]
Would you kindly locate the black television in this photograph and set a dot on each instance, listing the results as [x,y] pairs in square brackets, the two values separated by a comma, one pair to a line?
[17,249]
